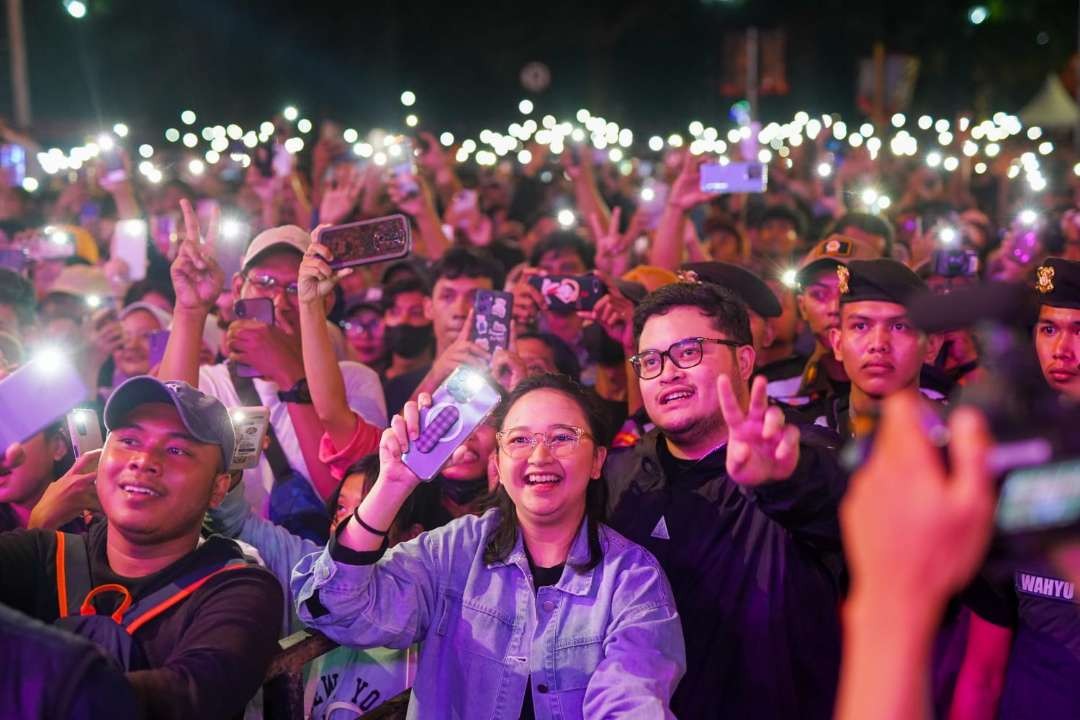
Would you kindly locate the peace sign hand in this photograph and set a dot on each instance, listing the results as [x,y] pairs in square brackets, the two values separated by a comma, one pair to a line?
[196,276]
[761,446]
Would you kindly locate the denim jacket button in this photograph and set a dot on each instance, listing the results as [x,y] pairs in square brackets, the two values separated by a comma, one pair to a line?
[542,688]
[548,606]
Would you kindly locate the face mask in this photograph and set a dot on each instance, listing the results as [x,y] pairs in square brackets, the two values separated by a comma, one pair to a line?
[409,341]
[463,492]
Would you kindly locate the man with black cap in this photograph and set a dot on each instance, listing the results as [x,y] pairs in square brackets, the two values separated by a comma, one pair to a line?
[1023,648]
[879,348]
[819,306]
[1057,333]
[189,618]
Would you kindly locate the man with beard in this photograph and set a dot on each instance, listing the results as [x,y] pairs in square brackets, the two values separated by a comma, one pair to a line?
[740,510]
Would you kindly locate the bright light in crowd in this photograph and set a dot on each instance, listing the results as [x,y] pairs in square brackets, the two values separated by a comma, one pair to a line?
[925,121]
[824,170]
[350,135]
[290,113]
[675,140]
[267,127]
[304,125]
[188,117]
[47,360]
[789,277]
[978,14]
[648,194]
[1076,169]
[525,107]
[656,143]
[696,128]
[980,168]
[196,167]
[30,184]
[933,159]
[105,143]
[93,301]
[190,140]
[1046,148]
[869,196]
[898,120]
[294,145]
[75,8]
[212,156]
[950,164]
[524,157]
[992,149]
[1028,216]
[408,98]
[231,228]
[120,129]
[566,218]
[447,139]
[947,236]
[411,120]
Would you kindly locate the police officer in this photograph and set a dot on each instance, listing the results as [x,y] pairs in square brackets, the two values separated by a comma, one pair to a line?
[1057,333]
[875,342]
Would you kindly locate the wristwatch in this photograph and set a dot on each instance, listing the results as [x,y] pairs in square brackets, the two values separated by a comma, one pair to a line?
[298,393]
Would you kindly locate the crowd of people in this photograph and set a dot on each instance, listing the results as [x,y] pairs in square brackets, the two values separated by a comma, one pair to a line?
[719,488]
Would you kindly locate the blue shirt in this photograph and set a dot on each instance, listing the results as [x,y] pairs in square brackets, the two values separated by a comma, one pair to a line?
[605,642]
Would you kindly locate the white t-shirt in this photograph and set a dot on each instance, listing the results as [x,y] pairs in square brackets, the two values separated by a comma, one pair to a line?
[363,393]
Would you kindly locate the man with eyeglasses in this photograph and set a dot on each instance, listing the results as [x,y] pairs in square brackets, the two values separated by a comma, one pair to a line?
[740,510]
[290,483]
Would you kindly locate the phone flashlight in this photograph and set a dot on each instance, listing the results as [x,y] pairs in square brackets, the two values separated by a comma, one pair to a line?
[231,228]
[93,301]
[566,218]
[48,360]
[1028,216]
[790,278]
[238,416]
[648,194]
[948,236]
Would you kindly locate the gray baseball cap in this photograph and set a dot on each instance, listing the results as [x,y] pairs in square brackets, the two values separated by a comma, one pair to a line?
[203,415]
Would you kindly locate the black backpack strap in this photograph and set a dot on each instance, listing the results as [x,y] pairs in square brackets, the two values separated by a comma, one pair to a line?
[245,390]
[150,606]
[73,581]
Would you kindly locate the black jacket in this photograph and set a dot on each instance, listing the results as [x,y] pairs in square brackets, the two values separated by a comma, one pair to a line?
[757,574]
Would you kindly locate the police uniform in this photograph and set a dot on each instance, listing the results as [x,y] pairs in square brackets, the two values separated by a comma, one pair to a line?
[806,386]
[881,280]
[1057,281]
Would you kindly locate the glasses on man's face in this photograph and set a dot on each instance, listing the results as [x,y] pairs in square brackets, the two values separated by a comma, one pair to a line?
[561,441]
[268,286]
[685,354]
[356,326]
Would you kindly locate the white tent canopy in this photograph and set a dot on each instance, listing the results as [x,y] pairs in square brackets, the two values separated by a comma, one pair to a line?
[1052,107]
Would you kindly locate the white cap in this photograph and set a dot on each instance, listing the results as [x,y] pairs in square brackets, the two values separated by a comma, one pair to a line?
[288,235]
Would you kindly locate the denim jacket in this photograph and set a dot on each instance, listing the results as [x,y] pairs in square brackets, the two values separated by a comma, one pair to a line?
[606,642]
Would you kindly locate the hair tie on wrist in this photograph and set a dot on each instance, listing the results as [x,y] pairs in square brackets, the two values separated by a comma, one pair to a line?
[373,531]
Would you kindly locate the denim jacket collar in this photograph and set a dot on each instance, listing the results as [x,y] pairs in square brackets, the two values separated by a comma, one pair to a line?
[572,581]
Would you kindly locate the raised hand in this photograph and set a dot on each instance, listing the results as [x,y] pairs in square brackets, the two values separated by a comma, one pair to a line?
[610,243]
[66,499]
[197,278]
[615,314]
[761,447]
[686,191]
[317,279]
[339,199]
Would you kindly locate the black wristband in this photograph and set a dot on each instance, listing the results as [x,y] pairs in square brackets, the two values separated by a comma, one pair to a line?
[361,523]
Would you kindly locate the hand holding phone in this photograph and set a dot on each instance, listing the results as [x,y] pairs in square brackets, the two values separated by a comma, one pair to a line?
[260,309]
[742,177]
[565,294]
[249,427]
[84,430]
[368,241]
[458,407]
[44,389]
[493,311]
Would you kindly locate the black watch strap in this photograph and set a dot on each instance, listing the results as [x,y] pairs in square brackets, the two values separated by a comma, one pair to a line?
[298,393]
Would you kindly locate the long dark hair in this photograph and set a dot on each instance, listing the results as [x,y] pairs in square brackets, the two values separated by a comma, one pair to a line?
[502,540]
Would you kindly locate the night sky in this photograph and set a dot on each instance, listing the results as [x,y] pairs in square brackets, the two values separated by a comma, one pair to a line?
[650,64]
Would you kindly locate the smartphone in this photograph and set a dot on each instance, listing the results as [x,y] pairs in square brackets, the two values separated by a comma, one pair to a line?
[261,309]
[459,406]
[129,244]
[368,241]
[404,168]
[52,244]
[113,166]
[13,162]
[249,427]
[955,262]
[567,293]
[158,340]
[14,259]
[84,430]
[653,198]
[165,230]
[35,395]
[492,311]
[1043,499]
[464,201]
[741,177]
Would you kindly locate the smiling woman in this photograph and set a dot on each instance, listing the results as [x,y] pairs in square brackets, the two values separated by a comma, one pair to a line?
[598,634]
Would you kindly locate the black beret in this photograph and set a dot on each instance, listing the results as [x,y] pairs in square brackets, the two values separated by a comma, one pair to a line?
[751,289]
[1058,283]
[883,280]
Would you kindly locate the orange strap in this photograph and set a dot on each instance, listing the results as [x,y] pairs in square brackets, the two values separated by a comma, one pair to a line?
[87,607]
[166,604]
[61,575]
